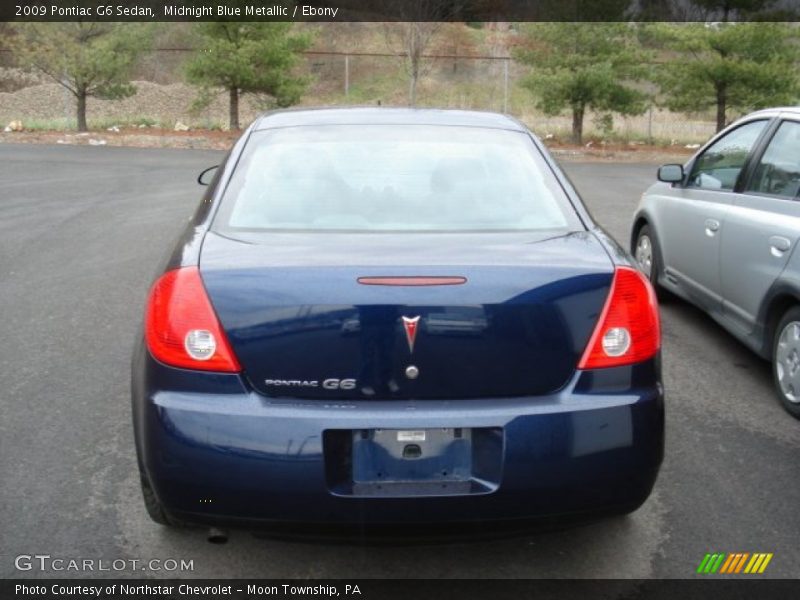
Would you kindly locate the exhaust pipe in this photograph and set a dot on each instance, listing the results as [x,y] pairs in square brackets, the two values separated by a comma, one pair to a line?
[217,536]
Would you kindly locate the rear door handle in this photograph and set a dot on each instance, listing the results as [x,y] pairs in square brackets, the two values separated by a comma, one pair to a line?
[712,226]
[778,245]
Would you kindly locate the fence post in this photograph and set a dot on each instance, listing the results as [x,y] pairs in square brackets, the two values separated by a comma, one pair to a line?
[346,75]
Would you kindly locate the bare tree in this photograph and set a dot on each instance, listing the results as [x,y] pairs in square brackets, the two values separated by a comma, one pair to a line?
[421,21]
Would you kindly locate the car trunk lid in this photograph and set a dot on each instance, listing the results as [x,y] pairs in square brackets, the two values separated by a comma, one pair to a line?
[336,316]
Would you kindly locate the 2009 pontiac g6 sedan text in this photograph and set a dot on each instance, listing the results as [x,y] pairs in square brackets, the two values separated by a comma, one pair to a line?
[395,317]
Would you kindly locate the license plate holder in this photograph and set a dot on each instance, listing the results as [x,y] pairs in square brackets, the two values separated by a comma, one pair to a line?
[412,455]
[444,461]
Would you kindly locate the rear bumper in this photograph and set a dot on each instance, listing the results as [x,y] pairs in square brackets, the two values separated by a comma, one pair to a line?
[215,452]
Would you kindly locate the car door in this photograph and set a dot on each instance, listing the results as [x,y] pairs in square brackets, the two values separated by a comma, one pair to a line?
[762,226]
[692,216]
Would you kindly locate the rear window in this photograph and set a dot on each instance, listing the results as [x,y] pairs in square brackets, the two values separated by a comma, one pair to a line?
[393,178]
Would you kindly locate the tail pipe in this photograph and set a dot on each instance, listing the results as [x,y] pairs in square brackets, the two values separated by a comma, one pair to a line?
[217,536]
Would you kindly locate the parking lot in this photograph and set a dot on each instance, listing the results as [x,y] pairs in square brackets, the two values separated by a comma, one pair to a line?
[82,230]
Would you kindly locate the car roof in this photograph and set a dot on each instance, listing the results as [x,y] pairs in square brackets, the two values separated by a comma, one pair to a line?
[385,116]
[774,112]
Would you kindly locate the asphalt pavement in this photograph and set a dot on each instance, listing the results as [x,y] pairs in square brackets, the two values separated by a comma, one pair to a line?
[82,230]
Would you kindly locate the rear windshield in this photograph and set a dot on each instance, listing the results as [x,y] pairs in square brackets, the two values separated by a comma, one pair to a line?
[392,178]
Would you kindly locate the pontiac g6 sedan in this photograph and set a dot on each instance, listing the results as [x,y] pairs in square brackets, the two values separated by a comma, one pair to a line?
[395,317]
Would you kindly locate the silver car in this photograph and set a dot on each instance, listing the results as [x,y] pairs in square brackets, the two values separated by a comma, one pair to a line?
[721,231]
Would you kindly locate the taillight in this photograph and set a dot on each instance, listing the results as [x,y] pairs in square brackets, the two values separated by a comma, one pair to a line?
[628,330]
[181,328]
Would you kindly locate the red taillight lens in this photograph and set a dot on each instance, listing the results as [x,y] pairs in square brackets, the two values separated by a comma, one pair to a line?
[181,329]
[629,330]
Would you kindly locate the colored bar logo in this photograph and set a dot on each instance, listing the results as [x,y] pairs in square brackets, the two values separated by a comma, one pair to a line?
[734,563]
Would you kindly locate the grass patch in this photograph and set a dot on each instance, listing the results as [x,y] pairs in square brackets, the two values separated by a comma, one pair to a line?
[102,125]
[98,124]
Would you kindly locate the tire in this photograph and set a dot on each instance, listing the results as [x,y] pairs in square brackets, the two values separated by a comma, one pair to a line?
[648,258]
[786,361]
[154,508]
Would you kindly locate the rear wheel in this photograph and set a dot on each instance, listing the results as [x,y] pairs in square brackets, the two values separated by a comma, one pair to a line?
[786,361]
[154,508]
[648,258]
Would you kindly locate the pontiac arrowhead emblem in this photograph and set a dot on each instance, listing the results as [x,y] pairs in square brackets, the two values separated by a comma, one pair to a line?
[410,324]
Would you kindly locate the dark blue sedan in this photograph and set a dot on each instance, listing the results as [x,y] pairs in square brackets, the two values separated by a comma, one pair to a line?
[395,317]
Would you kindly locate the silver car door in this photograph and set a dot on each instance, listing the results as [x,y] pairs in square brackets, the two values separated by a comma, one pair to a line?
[762,227]
[692,217]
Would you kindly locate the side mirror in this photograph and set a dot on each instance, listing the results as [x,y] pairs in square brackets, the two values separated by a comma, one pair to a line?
[206,176]
[670,173]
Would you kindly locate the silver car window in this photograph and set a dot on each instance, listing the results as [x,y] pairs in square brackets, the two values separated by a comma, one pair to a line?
[778,171]
[718,167]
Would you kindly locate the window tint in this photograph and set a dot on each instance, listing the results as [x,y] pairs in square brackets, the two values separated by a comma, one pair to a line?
[393,178]
[778,171]
[719,166]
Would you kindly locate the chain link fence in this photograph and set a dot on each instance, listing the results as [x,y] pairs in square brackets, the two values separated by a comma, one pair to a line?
[491,83]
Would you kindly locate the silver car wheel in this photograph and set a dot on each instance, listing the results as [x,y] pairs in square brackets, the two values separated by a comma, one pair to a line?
[787,361]
[644,254]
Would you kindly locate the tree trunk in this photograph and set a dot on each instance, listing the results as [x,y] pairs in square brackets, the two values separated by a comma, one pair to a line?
[577,124]
[722,105]
[233,108]
[81,110]
[414,49]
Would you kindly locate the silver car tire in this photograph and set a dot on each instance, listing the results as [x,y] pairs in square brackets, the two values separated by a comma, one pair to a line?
[786,361]
[648,257]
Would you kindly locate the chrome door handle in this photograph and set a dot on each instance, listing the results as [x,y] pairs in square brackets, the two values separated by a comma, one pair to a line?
[778,245]
[712,226]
